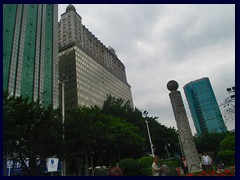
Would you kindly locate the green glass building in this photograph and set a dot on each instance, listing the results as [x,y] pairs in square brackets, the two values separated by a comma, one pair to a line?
[204,108]
[30,51]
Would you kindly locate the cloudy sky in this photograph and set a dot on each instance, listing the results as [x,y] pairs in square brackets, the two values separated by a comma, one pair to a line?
[161,42]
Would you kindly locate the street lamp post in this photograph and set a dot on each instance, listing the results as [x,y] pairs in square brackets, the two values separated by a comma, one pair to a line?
[149,136]
[63,81]
[91,157]
[166,148]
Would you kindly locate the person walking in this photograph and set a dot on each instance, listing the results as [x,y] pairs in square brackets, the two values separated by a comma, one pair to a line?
[119,170]
[183,165]
[206,162]
[155,168]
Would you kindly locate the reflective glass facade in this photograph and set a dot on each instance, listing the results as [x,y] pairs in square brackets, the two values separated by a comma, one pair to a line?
[204,107]
[30,65]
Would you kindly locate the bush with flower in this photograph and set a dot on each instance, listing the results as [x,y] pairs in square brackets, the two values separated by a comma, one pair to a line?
[224,172]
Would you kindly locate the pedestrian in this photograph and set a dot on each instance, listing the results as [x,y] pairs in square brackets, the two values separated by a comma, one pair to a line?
[164,170]
[155,168]
[183,165]
[114,170]
[179,169]
[206,162]
[119,170]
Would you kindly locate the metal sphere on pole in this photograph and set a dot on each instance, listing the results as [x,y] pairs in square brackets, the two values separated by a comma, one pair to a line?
[183,126]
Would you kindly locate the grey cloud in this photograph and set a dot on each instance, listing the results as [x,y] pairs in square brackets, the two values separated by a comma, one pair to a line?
[161,42]
[201,28]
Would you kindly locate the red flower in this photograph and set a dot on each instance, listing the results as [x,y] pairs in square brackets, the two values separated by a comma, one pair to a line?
[213,172]
[227,171]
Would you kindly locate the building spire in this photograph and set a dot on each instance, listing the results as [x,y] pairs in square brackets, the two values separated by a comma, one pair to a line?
[70,7]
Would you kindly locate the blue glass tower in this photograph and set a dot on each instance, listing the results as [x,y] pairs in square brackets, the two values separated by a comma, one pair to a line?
[204,107]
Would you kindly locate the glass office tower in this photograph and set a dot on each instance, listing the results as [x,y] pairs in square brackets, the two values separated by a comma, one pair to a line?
[30,51]
[204,107]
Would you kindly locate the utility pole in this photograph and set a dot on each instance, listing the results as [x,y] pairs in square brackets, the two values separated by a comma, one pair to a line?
[166,148]
[149,136]
[63,81]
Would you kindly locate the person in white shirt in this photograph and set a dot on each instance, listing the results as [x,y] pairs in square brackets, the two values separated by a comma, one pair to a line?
[155,168]
[206,162]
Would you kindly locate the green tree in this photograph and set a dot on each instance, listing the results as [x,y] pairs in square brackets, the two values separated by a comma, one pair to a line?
[30,131]
[209,142]
[88,131]
[227,153]
[160,134]
[228,143]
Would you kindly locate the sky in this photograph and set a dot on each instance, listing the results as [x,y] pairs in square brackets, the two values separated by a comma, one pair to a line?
[162,42]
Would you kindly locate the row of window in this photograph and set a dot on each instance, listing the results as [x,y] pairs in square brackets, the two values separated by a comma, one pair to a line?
[89,79]
[104,80]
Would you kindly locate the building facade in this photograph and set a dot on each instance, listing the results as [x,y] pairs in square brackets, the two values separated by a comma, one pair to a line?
[30,52]
[93,70]
[203,106]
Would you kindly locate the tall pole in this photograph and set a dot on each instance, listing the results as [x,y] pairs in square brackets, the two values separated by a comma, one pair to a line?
[92,163]
[183,126]
[63,117]
[149,136]
[166,147]
[63,134]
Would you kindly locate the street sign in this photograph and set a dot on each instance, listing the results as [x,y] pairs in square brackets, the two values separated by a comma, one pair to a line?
[53,165]
[14,167]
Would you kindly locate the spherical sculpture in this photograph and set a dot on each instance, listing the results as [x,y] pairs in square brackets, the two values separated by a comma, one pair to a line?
[172,85]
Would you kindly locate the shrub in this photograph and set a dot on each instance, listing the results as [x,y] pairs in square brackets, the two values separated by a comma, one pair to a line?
[145,166]
[129,167]
[145,162]
[228,143]
[172,166]
[145,171]
[228,157]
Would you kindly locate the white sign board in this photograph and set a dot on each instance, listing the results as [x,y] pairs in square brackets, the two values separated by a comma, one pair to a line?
[52,164]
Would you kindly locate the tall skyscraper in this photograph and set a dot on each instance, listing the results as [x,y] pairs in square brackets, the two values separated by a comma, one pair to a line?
[93,70]
[204,107]
[30,51]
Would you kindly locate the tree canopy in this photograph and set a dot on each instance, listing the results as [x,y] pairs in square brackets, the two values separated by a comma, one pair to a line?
[110,133]
[30,131]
